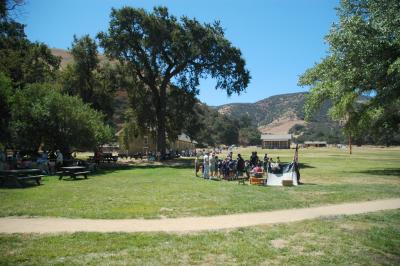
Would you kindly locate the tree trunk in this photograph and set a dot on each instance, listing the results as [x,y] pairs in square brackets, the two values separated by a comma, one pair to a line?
[161,136]
[350,145]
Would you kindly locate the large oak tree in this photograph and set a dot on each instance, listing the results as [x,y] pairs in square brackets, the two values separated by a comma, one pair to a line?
[361,73]
[161,51]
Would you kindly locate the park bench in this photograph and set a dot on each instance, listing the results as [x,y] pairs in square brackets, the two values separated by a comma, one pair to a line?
[20,176]
[37,178]
[73,172]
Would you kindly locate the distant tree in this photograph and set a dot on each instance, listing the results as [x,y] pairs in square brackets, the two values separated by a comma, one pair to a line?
[160,51]
[7,6]
[6,93]
[24,62]
[21,63]
[363,60]
[95,83]
[249,136]
[41,115]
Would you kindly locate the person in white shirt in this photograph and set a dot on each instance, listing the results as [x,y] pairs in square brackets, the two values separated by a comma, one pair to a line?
[206,165]
[212,165]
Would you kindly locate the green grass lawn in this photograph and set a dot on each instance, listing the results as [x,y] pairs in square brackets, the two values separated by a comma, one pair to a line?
[330,176]
[370,239]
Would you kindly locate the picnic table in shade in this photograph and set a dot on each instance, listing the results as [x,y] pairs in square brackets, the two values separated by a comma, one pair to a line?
[104,158]
[73,172]
[17,176]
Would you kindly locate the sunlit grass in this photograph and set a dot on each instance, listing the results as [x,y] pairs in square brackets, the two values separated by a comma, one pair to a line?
[369,239]
[330,176]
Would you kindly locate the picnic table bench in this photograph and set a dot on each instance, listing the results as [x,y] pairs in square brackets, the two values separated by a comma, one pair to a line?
[18,176]
[109,158]
[73,172]
[105,158]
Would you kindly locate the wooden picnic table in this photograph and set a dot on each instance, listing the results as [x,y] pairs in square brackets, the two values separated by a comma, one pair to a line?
[17,176]
[73,171]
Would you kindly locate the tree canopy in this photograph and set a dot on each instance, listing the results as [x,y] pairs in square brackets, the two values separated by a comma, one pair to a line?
[21,63]
[43,116]
[33,111]
[361,73]
[95,83]
[161,51]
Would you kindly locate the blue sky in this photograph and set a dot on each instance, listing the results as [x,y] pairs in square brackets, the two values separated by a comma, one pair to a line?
[279,39]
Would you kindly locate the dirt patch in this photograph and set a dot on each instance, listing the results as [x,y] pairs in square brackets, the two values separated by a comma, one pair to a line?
[281,126]
[279,243]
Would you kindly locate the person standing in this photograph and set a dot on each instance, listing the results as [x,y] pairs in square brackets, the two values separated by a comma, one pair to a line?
[265,162]
[2,160]
[196,165]
[206,165]
[212,165]
[239,166]
[59,160]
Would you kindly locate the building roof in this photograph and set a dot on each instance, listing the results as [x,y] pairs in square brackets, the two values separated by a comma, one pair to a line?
[269,137]
[186,138]
[315,142]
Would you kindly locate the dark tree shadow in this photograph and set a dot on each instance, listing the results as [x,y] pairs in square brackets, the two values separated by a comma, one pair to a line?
[307,184]
[387,171]
[24,184]
[75,179]
[305,165]
[111,168]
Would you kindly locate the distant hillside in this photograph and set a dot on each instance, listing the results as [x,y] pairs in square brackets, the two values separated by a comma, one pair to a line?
[66,57]
[274,110]
[284,113]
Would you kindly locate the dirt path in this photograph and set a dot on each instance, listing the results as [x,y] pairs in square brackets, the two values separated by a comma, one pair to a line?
[188,224]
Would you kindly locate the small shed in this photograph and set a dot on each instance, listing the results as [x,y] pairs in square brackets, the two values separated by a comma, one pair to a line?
[270,141]
[315,144]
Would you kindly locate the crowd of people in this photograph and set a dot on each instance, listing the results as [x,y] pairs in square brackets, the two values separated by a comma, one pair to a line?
[47,162]
[213,167]
[156,156]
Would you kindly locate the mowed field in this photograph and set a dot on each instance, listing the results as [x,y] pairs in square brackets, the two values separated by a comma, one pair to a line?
[172,190]
[368,239]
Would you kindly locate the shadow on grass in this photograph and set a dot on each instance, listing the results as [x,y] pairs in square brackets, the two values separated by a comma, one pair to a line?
[25,184]
[75,179]
[388,171]
[304,166]
[111,168]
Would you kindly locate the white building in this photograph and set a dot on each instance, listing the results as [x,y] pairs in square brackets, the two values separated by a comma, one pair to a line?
[276,141]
